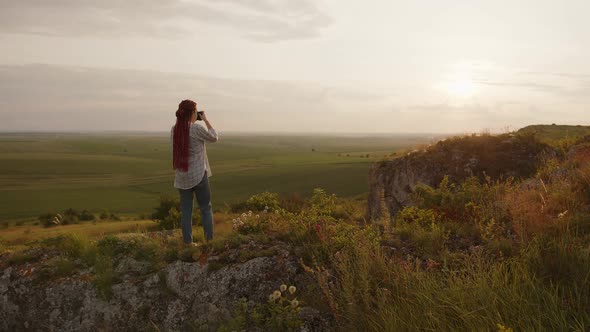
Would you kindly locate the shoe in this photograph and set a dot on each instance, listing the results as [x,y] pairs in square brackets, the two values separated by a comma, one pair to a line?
[192,244]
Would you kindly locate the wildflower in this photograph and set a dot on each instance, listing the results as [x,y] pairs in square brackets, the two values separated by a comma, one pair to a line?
[276,294]
[294,303]
[277,211]
[271,297]
[283,287]
[250,213]
[266,207]
[292,289]
[257,216]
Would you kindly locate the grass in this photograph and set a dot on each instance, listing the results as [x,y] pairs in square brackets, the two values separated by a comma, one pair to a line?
[127,173]
[554,133]
[18,235]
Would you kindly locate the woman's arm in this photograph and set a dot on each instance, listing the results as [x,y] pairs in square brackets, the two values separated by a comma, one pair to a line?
[209,134]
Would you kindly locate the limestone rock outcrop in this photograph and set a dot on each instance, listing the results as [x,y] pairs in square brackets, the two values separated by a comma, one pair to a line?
[391,182]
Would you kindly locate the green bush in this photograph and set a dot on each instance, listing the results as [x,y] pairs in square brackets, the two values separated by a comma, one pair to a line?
[322,203]
[165,205]
[263,201]
[171,221]
[68,245]
[415,215]
[85,215]
[104,215]
[46,219]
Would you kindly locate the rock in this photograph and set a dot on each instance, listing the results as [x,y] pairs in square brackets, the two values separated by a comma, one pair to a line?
[129,265]
[392,182]
[181,296]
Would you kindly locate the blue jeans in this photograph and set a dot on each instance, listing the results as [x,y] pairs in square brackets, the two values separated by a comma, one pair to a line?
[203,195]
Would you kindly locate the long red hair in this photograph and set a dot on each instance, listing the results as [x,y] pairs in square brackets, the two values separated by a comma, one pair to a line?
[181,138]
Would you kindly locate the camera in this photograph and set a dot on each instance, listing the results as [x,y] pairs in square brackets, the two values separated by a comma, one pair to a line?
[199,115]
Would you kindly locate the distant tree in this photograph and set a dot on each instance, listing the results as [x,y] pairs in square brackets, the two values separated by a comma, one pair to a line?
[71,216]
[104,215]
[85,215]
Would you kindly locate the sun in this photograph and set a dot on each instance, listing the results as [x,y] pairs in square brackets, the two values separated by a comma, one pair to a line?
[461,88]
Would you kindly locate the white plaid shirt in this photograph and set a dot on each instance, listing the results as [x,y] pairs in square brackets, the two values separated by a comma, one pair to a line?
[198,162]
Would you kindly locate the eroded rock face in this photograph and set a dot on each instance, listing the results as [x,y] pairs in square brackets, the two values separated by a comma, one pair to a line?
[392,182]
[182,296]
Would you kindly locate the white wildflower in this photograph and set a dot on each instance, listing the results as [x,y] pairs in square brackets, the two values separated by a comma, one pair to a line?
[283,287]
[257,216]
[294,303]
[276,294]
[292,289]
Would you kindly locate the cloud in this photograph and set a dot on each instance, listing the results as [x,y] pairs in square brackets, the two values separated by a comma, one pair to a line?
[527,85]
[50,97]
[259,20]
[65,98]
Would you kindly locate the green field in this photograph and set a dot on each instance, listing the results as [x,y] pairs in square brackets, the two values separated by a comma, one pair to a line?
[126,173]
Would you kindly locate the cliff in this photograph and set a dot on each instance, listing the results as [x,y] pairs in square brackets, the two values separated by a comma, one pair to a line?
[391,182]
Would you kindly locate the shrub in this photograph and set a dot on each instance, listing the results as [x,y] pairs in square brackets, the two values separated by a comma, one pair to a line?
[111,245]
[163,209]
[85,215]
[70,216]
[104,215]
[68,245]
[415,215]
[263,201]
[46,219]
[322,203]
[171,221]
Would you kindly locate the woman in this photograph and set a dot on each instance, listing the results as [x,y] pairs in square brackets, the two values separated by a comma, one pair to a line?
[191,167]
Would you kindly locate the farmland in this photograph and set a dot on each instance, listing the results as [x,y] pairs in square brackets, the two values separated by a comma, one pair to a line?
[126,173]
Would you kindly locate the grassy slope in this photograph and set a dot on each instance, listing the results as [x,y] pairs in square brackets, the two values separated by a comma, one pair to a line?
[553,133]
[126,173]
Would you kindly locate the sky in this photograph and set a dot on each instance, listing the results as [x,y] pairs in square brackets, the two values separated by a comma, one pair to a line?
[331,66]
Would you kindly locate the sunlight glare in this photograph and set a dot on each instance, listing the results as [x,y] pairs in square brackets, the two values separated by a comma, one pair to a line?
[463,88]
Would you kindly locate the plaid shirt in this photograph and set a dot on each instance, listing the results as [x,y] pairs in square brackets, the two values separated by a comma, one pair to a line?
[197,160]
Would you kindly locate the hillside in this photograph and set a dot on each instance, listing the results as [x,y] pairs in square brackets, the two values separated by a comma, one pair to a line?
[500,245]
[551,134]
